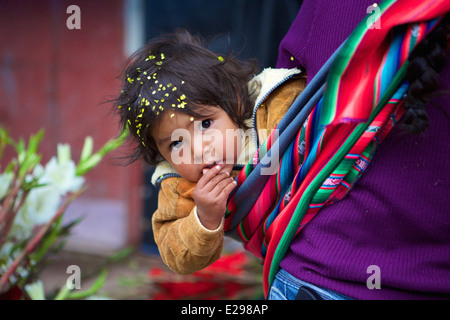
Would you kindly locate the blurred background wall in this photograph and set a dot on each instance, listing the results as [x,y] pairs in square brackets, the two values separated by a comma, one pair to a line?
[60,79]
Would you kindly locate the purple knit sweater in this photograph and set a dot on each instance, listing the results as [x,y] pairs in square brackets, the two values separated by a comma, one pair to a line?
[397,217]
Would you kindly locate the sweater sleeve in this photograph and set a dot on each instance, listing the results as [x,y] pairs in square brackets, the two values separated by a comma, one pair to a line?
[185,245]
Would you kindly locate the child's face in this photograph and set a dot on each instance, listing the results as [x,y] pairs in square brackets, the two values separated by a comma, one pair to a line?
[191,144]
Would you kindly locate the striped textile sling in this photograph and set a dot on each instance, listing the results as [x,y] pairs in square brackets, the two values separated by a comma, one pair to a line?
[327,139]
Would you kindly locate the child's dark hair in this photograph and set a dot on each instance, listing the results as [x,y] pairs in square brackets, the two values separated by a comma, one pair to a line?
[425,63]
[177,72]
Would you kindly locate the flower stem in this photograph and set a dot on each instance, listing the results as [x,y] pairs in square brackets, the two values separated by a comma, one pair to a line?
[31,245]
[7,216]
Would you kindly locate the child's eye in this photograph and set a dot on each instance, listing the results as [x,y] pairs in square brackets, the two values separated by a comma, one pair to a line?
[206,124]
[175,144]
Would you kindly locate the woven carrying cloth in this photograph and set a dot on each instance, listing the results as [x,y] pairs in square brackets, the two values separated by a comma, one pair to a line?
[327,139]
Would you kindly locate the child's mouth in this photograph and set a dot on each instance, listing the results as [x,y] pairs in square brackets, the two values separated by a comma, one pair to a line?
[215,163]
[211,165]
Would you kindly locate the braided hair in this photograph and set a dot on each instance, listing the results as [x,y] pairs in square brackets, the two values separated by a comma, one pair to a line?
[425,63]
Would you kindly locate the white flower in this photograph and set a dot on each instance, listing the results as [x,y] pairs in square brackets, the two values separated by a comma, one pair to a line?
[62,176]
[38,171]
[39,207]
[5,250]
[5,181]
[35,290]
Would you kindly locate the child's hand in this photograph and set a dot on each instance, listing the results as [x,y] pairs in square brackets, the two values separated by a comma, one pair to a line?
[211,195]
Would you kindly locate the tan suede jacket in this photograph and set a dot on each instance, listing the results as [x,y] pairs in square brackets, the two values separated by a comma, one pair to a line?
[185,245]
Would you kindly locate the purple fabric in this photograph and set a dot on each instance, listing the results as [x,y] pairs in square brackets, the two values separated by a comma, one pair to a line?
[397,217]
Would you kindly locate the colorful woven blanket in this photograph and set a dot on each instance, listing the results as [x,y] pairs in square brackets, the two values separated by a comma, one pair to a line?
[329,135]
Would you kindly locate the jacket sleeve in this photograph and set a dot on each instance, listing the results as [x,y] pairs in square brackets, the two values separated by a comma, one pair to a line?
[185,245]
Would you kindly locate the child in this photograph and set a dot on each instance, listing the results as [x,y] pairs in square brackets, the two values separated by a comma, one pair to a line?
[186,108]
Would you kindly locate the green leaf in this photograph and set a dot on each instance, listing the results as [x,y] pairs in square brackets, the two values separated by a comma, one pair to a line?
[86,166]
[122,254]
[27,157]
[4,140]
[34,142]
[98,283]
[89,162]
[47,241]
[63,152]
[87,148]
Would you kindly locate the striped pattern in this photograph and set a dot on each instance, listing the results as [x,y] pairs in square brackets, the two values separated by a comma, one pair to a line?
[326,155]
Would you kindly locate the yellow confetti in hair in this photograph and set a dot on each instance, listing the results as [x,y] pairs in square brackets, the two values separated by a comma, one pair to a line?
[220,58]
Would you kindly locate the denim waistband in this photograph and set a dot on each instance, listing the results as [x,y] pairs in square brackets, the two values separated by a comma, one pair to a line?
[285,287]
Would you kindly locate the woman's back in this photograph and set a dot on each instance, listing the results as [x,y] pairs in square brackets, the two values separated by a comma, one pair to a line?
[396,219]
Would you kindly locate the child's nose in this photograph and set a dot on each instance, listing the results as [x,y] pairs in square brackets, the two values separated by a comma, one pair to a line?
[202,150]
[197,150]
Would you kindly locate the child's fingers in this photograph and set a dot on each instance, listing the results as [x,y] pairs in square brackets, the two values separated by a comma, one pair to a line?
[224,187]
[209,174]
[218,179]
[229,188]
